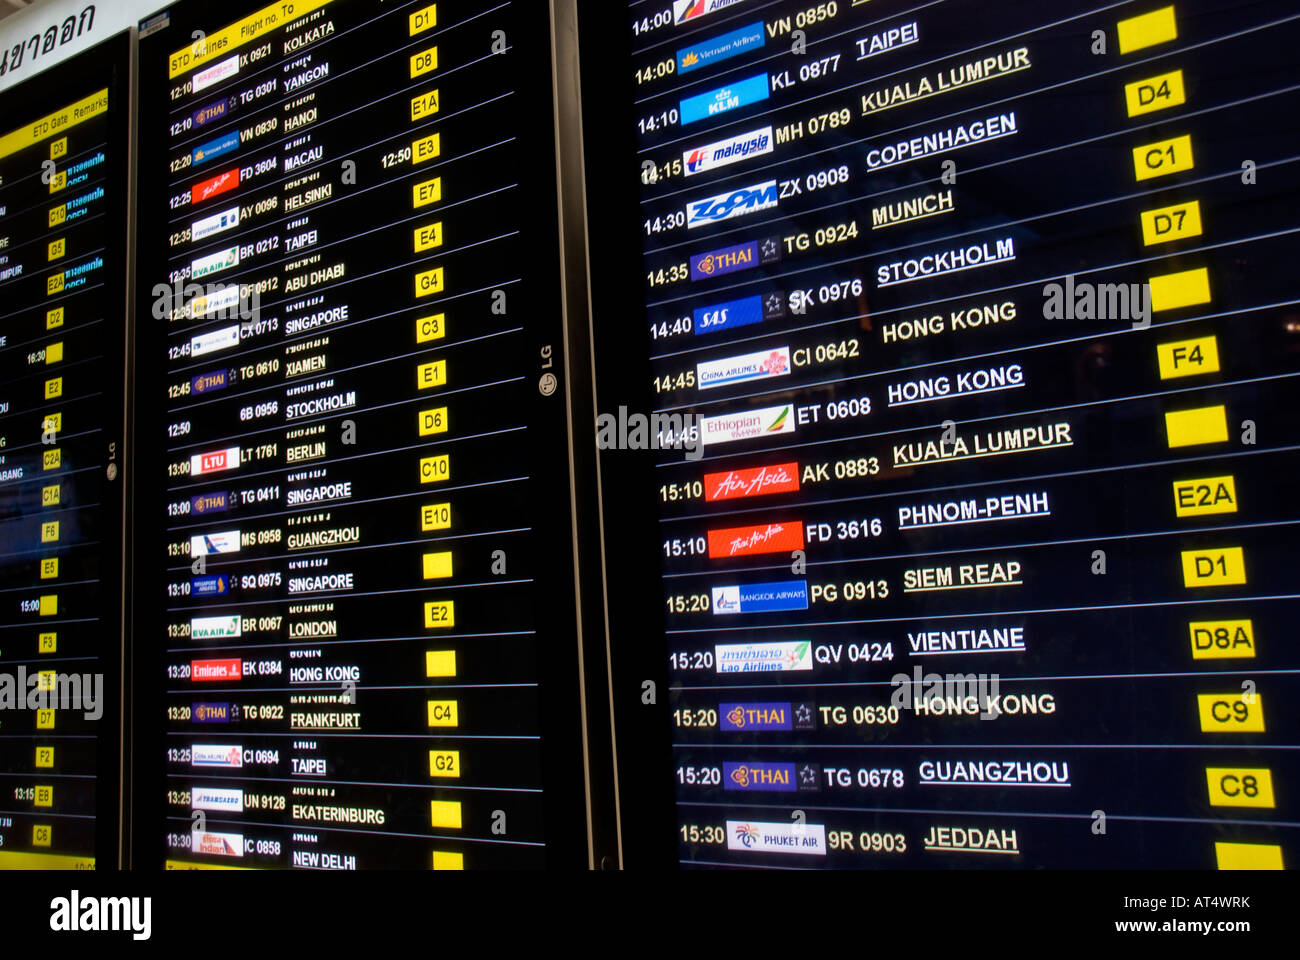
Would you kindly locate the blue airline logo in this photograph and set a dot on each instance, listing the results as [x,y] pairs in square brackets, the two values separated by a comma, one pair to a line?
[720,48]
[724,99]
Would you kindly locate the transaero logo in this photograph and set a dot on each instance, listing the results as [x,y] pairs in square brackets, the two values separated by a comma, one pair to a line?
[729,427]
[762,365]
[723,153]
[761,597]
[717,263]
[724,99]
[772,657]
[684,10]
[758,837]
[721,48]
[737,203]
[213,798]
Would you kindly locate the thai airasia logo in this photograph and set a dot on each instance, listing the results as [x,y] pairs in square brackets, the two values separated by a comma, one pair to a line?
[748,541]
[221,183]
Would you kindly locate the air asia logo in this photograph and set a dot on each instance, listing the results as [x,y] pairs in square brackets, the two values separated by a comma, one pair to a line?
[726,152]
[750,541]
[762,365]
[758,481]
[221,183]
[684,10]
[738,203]
[717,263]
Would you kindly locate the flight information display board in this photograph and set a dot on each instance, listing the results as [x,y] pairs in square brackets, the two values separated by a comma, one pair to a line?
[356,632]
[63,309]
[970,336]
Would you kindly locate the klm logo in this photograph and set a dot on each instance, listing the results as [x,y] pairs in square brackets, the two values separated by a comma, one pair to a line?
[726,101]
[739,203]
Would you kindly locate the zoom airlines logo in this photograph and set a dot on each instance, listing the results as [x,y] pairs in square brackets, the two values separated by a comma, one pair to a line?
[737,203]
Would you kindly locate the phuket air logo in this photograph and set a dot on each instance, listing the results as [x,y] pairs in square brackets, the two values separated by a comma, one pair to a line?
[757,837]
[726,152]
[730,427]
[684,10]
[754,482]
[762,365]
[737,203]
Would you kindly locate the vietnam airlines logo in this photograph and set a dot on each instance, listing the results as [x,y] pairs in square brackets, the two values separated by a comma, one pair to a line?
[690,60]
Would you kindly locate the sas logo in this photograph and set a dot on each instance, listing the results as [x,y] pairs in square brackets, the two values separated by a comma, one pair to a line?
[216,755]
[214,462]
[717,263]
[738,203]
[730,427]
[216,669]
[210,503]
[211,712]
[755,837]
[761,597]
[208,382]
[217,586]
[726,152]
[215,186]
[755,482]
[762,365]
[755,540]
[773,657]
[684,10]
[215,148]
[217,844]
[724,99]
[721,48]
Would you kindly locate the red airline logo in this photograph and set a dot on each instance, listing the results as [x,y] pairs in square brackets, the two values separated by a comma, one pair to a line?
[747,541]
[215,669]
[207,189]
[759,481]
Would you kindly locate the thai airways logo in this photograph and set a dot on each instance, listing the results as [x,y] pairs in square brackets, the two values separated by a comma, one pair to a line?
[740,717]
[755,540]
[215,148]
[761,597]
[761,365]
[759,776]
[755,837]
[772,657]
[717,263]
[214,186]
[216,755]
[730,427]
[214,462]
[714,103]
[684,10]
[754,482]
[726,152]
[737,203]
[210,712]
[214,111]
[720,48]
[206,503]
